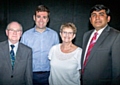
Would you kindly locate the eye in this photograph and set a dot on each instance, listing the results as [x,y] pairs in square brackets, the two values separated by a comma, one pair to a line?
[45,17]
[102,14]
[64,32]
[38,16]
[11,30]
[93,15]
[70,33]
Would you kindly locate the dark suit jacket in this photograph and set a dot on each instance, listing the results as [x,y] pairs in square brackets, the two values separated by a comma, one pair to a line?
[103,66]
[22,73]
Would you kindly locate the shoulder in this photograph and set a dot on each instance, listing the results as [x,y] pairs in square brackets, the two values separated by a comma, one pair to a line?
[25,47]
[3,43]
[78,53]
[88,32]
[113,33]
[111,30]
[55,47]
[79,49]
[29,31]
[115,30]
[51,30]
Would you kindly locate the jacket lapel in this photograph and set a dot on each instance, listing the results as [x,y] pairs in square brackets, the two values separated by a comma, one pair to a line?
[18,57]
[101,39]
[85,41]
[7,54]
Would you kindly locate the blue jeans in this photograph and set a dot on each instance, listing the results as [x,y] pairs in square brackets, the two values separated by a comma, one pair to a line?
[41,78]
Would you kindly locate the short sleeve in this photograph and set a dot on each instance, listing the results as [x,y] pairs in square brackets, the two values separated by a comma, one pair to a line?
[79,53]
[51,52]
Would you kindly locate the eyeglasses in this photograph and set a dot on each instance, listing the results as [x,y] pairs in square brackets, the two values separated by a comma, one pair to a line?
[11,30]
[69,33]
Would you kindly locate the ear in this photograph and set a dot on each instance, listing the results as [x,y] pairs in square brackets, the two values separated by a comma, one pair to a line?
[90,19]
[60,33]
[21,33]
[48,19]
[109,18]
[6,32]
[74,36]
[34,17]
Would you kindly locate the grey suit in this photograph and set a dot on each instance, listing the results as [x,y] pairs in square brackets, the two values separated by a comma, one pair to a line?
[22,73]
[103,66]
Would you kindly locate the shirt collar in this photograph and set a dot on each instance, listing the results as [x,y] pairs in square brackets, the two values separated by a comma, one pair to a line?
[16,44]
[100,31]
[47,29]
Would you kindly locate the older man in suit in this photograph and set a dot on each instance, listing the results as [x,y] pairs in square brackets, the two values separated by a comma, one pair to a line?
[15,69]
[101,54]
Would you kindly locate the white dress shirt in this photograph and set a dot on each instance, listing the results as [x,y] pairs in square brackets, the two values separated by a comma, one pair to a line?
[15,48]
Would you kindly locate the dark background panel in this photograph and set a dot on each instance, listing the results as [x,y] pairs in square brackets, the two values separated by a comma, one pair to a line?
[61,11]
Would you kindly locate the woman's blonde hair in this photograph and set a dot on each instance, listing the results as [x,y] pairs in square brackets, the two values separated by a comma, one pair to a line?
[69,25]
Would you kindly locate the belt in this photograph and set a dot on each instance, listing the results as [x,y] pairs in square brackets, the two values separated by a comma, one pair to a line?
[40,72]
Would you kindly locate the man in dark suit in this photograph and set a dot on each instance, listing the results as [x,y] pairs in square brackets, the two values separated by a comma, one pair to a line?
[19,70]
[102,66]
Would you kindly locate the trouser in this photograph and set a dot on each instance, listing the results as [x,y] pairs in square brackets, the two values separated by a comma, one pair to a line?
[41,78]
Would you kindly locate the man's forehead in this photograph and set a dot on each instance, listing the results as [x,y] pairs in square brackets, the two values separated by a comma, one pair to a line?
[39,12]
[14,26]
[99,11]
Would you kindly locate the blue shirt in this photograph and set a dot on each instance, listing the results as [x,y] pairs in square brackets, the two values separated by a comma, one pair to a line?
[40,43]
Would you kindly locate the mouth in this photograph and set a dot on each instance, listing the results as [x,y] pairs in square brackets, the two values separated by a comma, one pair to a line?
[14,36]
[41,23]
[98,22]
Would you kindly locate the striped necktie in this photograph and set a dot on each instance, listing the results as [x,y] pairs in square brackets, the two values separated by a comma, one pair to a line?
[92,42]
[12,56]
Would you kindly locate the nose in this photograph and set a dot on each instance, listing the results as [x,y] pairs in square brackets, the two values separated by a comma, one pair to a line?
[97,17]
[41,19]
[67,34]
[15,32]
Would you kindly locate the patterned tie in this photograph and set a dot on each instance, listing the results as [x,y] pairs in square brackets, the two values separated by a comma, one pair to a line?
[12,56]
[92,42]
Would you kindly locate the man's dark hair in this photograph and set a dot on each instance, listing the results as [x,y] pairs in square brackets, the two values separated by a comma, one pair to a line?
[42,8]
[99,7]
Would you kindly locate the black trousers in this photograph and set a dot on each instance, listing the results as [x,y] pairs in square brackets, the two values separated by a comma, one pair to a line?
[41,78]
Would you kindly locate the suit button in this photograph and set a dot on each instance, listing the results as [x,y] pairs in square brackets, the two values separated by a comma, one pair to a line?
[11,76]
